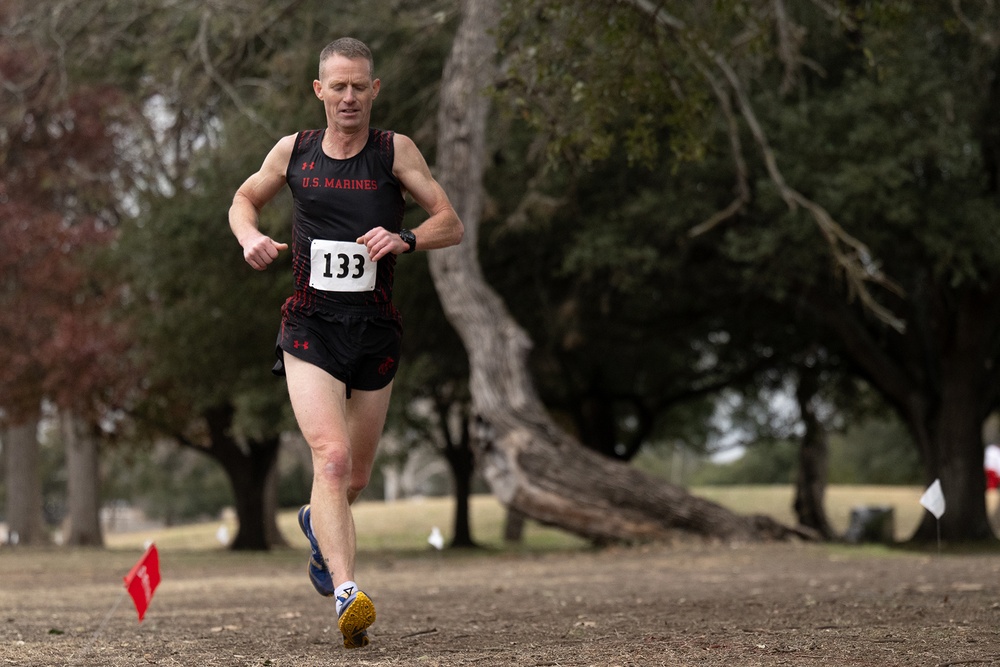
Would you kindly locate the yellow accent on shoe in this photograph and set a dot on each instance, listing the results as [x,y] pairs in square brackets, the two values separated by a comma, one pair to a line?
[355,618]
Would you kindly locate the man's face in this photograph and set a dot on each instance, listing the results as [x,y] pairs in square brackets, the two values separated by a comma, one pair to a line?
[347,90]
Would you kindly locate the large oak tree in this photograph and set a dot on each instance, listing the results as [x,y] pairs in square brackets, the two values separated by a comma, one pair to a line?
[533,466]
[862,152]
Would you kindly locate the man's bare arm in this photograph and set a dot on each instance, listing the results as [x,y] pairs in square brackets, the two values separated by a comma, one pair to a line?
[441,229]
[259,250]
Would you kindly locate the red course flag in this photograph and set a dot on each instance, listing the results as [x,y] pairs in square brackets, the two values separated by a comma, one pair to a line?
[143,579]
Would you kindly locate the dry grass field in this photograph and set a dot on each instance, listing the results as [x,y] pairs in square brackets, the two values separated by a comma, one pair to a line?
[553,601]
[406,524]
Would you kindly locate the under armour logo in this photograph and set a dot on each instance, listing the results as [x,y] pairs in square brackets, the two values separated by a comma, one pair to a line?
[386,365]
[304,344]
[309,165]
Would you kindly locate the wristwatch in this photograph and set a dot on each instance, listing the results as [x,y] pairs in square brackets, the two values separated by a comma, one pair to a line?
[409,238]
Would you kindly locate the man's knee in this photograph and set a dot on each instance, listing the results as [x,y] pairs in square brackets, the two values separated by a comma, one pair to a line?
[354,491]
[332,462]
[360,476]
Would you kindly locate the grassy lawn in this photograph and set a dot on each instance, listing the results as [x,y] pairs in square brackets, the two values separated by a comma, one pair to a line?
[777,501]
[405,525]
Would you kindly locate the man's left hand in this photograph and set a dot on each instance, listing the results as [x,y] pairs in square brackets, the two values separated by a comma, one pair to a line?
[380,242]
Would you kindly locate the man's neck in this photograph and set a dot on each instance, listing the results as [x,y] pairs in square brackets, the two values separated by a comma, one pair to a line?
[341,145]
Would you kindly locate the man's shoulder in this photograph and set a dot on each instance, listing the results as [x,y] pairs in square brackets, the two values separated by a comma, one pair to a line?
[406,150]
[381,137]
[403,144]
[294,143]
[304,139]
[382,142]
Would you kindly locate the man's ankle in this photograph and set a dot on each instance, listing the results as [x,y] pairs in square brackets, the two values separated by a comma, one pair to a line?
[343,592]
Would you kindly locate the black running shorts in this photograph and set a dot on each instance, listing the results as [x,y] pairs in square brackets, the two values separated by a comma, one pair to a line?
[360,350]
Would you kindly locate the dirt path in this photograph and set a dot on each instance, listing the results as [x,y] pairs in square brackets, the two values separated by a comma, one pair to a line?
[686,605]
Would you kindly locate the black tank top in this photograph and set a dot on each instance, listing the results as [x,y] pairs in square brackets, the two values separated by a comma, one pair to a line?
[339,200]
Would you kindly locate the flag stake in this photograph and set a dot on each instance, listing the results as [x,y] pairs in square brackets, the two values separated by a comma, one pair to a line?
[934,502]
[140,583]
[100,628]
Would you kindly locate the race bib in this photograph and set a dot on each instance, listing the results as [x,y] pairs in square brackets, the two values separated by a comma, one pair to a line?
[340,266]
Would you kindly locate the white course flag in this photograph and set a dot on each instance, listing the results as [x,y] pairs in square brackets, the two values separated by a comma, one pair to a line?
[933,499]
[436,539]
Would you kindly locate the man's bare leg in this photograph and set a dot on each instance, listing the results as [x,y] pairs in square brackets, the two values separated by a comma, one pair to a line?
[343,437]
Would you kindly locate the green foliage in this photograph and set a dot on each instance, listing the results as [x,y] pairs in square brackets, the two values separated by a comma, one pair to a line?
[887,124]
[624,309]
[768,462]
[886,135]
[206,321]
[597,78]
[896,153]
[170,484]
[875,451]
[611,122]
[294,486]
[872,451]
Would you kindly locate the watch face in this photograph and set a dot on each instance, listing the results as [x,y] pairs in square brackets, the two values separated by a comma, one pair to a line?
[409,238]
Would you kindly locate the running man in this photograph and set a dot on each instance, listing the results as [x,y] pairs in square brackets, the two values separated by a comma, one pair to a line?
[339,341]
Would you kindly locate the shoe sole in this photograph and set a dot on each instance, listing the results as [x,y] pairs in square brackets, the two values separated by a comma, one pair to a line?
[355,620]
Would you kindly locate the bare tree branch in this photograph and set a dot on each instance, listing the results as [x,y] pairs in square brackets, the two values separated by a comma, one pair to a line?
[736,149]
[836,13]
[219,80]
[990,38]
[850,254]
[790,38]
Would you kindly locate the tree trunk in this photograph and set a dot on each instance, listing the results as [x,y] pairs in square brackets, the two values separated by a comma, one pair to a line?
[463,464]
[598,429]
[513,526]
[24,486]
[961,392]
[953,438]
[531,465]
[248,470]
[941,378]
[83,482]
[462,536]
[271,531]
[810,482]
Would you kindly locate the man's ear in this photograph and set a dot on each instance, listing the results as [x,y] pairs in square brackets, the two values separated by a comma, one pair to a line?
[318,88]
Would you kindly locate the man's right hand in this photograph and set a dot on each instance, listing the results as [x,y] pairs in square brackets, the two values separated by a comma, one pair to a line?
[262,251]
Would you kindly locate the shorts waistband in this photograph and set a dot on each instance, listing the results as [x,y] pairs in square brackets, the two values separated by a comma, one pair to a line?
[372,311]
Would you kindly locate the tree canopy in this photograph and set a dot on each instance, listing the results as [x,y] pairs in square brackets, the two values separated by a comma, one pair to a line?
[681,198]
[862,153]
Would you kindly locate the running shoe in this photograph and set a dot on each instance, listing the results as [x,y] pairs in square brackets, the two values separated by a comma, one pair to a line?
[319,574]
[357,613]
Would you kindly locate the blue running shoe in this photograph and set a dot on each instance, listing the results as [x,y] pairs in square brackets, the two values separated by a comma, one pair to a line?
[319,574]
[357,613]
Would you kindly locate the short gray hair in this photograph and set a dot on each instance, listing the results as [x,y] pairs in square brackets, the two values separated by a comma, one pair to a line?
[349,48]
